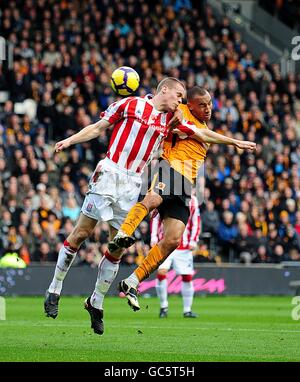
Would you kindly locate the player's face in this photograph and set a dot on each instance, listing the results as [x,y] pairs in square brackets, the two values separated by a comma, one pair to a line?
[201,107]
[174,96]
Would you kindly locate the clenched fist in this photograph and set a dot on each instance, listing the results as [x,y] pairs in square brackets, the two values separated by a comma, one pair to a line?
[61,145]
[245,145]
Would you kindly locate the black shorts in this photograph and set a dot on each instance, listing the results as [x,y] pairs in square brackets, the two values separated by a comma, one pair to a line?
[175,190]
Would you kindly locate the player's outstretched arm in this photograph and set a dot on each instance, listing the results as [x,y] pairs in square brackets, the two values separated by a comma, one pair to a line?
[209,136]
[84,135]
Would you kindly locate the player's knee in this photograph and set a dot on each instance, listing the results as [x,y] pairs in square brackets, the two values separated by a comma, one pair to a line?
[186,278]
[171,243]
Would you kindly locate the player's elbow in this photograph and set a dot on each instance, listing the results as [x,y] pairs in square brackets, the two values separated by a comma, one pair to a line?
[98,128]
[101,125]
[202,136]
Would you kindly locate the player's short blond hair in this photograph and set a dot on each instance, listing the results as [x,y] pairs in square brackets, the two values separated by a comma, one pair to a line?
[170,83]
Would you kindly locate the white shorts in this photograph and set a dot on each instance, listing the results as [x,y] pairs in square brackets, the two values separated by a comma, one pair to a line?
[112,193]
[181,260]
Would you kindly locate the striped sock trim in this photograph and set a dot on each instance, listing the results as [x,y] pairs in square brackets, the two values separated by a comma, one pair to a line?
[112,259]
[67,245]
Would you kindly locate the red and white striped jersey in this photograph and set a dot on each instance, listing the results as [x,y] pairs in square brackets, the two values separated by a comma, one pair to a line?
[138,131]
[191,232]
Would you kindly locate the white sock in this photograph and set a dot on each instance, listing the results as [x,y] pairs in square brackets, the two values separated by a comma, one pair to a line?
[65,259]
[107,272]
[132,280]
[162,292]
[187,291]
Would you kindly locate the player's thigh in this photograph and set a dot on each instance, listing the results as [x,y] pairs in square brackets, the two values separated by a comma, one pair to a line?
[173,229]
[120,211]
[183,262]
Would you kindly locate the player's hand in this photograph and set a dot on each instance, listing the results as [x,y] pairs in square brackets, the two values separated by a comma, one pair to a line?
[180,134]
[61,145]
[245,145]
[176,119]
[192,245]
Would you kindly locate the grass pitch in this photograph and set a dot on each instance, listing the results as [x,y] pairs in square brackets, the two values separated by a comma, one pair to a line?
[228,329]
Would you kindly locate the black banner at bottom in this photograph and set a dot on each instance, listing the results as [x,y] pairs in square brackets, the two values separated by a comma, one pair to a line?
[138,370]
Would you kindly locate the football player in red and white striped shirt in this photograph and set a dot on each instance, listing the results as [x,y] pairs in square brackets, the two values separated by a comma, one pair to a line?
[181,260]
[139,126]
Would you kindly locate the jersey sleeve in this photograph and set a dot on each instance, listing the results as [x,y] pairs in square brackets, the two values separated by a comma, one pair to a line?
[115,111]
[185,129]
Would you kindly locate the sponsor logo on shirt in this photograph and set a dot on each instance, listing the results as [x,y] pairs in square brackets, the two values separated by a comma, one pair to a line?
[154,122]
[89,207]
[161,186]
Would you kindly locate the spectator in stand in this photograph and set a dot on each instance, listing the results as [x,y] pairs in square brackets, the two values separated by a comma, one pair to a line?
[284,221]
[273,239]
[279,254]
[297,223]
[210,218]
[227,233]
[261,255]
[89,256]
[71,209]
[291,241]
[245,245]
[44,253]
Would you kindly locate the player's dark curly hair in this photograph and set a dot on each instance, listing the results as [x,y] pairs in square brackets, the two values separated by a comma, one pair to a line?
[196,90]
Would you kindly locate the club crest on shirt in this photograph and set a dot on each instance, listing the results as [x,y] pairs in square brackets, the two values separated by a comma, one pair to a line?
[163,119]
[89,207]
[161,186]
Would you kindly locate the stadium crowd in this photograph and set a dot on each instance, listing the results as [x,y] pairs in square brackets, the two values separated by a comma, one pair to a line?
[59,81]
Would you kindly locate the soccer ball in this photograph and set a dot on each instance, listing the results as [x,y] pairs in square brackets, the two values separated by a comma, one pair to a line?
[125,81]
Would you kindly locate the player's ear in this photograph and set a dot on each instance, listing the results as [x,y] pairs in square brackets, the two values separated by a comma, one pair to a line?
[164,89]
